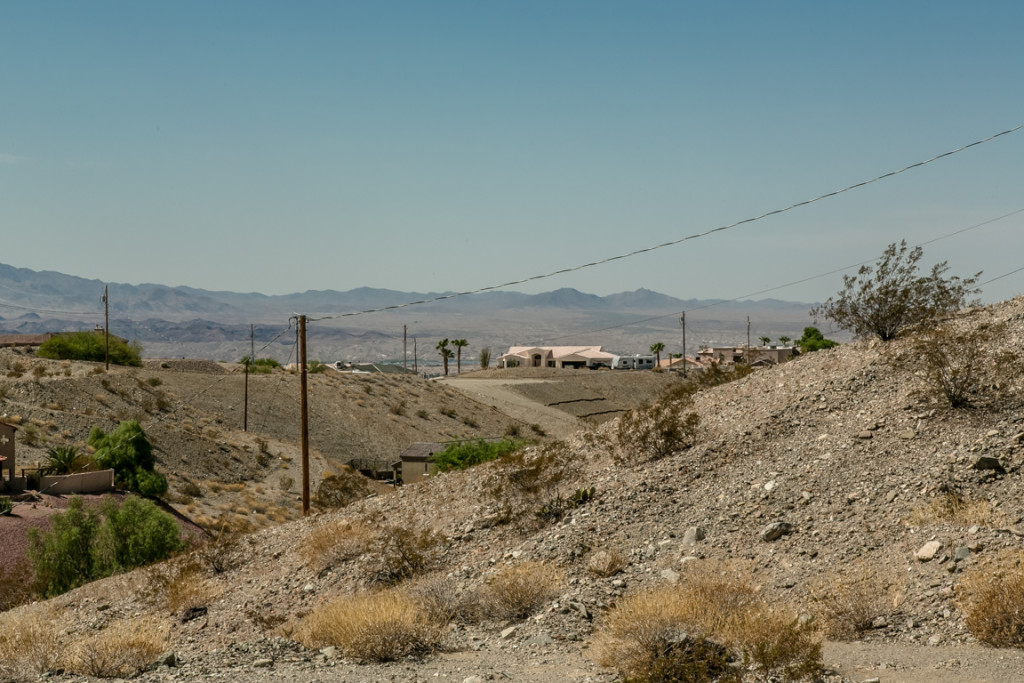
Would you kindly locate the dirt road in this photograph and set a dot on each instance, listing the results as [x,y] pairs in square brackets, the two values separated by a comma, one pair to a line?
[495,392]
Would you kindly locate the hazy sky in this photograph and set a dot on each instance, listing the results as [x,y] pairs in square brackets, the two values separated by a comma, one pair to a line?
[284,146]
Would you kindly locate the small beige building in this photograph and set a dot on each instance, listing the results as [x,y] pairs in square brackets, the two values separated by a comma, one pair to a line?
[556,357]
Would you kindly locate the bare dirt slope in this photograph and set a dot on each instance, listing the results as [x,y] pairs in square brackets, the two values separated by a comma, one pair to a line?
[846,452]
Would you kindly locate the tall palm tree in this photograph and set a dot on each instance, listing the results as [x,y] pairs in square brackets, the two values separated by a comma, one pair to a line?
[785,340]
[445,353]
[458,344]
[656,349]
[765,340]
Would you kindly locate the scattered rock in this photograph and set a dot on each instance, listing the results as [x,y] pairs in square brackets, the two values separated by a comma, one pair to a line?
[928,551]
[775,531]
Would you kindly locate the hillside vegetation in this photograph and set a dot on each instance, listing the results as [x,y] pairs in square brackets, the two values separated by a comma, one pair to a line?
[839,497]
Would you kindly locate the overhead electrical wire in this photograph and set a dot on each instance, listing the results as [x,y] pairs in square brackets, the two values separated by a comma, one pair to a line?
[720,302]
[663,245]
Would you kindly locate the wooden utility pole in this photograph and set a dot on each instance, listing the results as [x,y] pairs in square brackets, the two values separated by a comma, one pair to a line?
[250,359]
[415,357]
[405,348]
[682,323]
[106,327]
[746,356]
[305,416]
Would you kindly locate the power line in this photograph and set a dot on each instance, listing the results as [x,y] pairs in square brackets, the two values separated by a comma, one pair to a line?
[801,281]
[694,236]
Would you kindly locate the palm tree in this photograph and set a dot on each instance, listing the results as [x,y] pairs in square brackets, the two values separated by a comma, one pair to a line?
[65,460]
[765,340]
[458,344]
[785,340]
[445,353]
[656,349]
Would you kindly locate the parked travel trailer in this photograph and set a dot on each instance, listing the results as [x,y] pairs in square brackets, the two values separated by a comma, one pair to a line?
[636,362]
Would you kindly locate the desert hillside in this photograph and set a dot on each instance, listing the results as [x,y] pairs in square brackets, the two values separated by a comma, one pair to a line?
[841,476]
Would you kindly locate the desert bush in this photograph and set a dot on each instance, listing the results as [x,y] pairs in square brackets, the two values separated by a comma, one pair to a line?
[530,485]
[315,367]
[991,598]
[339,490]
[442,600]
[82,548]
[605,563]
[191,489]
[122,650]
[29,642]
[448,412]
[952,360]
[654,431]
[16,370]
[15,583]
[485,358]
[422,414]
[154,381]
[286,483]
[717,604]
[401,553]
[39,371]
[952,507]
[847,604]
[134,534]
[333,541]
[5,505]
[890,297]
[219,553]
[517,592]
[30,435]
[465,454]
[181,585]
[373,627]
[263,366]
[90,346]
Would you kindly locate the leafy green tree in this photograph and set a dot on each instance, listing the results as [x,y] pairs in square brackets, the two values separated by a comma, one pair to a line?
[814,340]
[133,534]
[890,297]
[85,544]
[261,366]
[445,353]
[62,558]
[458,344]
[129,453]
[656,349]
[90,346]
[66,460]
[315,367]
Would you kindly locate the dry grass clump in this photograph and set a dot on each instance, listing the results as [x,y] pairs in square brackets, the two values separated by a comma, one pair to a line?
[335,540]
[180,584]
[339,490]
[992,600]
[654,431]
[533,486]
[121,650]
[519,591]
[605,563]
[373,627]
[716,616]
[399,553]
[443,601]
[953,508]
[847,604]
[29,642]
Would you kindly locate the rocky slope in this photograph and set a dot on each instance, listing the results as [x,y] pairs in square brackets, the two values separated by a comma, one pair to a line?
[837,468]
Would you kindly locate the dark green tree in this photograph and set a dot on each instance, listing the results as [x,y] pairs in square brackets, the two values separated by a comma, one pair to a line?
[66,460]
[133,534]
[62,557]
[814,340]
[891,296]
[129,453]
[90,346]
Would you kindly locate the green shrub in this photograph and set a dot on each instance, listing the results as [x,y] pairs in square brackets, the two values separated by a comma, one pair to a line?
[814,340]
[129,453]
[5,505]
[460,456]
[134,534]
[66,460]
[85,544]
[263,366]
[62,558]
[315,367]
[92,347]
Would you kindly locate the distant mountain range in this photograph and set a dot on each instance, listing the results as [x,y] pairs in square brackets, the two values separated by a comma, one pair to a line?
[175,321]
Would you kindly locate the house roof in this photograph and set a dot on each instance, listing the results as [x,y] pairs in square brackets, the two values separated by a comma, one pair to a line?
[561,352]
[422,450]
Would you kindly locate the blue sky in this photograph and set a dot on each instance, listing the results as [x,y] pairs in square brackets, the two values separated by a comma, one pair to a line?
[430,146]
